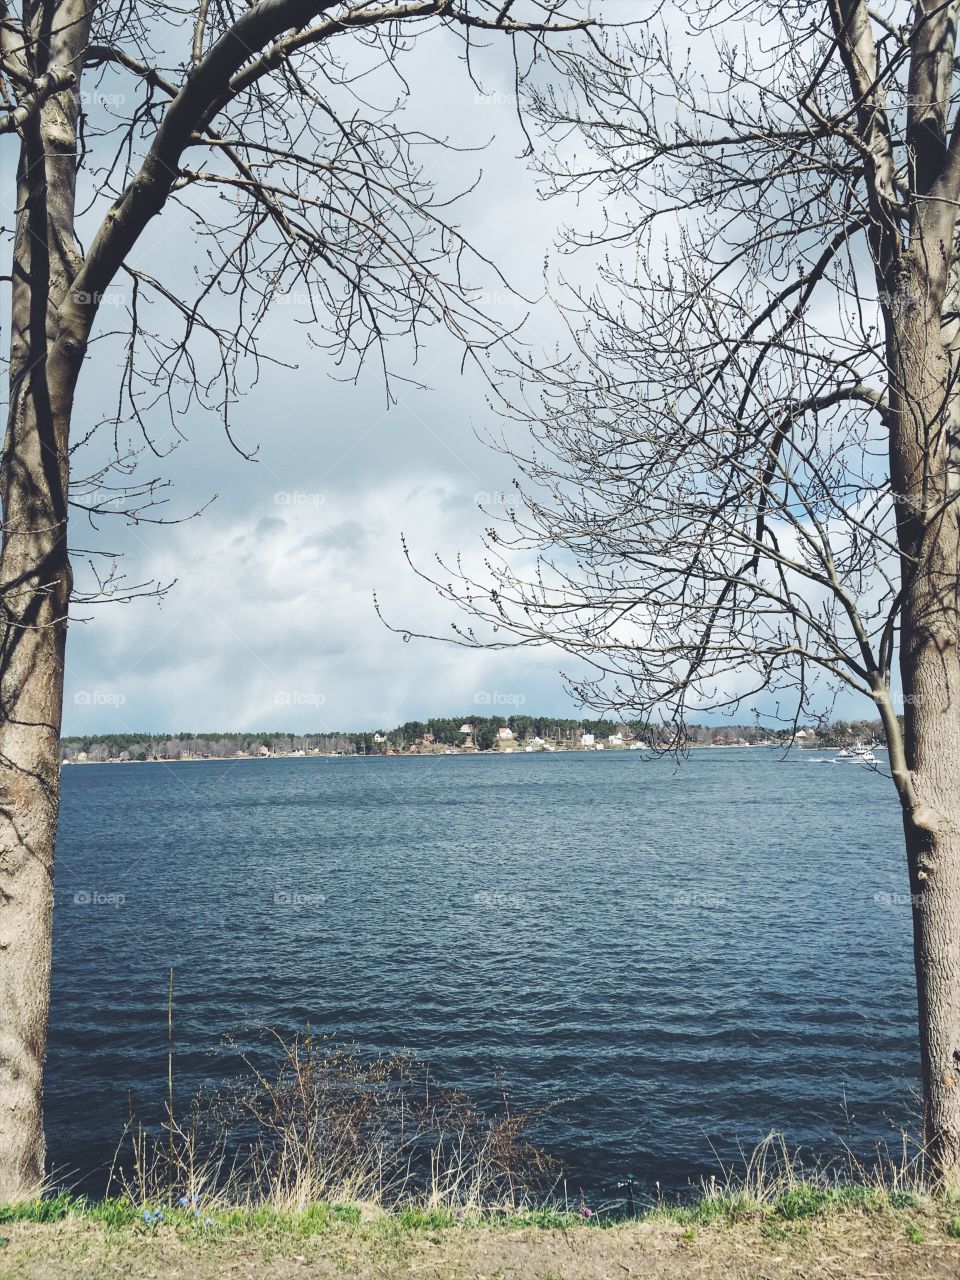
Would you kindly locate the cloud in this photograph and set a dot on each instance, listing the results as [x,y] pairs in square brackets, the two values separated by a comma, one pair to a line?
[272,624]
[275,581]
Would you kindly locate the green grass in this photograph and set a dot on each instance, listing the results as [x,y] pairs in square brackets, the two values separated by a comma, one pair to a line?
[314,1219]
[796,1203]
[799,1202]
[904,1200]
[793,1206]
[43,1209]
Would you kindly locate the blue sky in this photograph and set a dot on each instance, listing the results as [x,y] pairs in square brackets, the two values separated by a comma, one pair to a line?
[270,621]
[271,618]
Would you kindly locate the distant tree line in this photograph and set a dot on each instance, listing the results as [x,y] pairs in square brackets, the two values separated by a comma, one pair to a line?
[439,731]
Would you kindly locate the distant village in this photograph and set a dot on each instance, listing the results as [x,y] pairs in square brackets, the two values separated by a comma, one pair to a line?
[456,736]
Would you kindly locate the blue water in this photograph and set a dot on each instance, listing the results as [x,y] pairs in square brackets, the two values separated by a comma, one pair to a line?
[686,956]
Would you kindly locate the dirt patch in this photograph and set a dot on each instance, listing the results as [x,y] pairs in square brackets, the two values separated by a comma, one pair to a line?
[875,1247]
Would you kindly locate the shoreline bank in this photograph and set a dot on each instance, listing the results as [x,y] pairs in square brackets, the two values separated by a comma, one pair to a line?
[863,1236]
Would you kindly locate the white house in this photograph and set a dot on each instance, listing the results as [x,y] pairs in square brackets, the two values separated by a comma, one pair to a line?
[615,739]
[587,740]
[505,734]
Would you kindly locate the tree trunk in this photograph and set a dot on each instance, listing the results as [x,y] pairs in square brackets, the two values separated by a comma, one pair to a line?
[924,477]
[934,859]
[35,585]
[931,677]
[31,689]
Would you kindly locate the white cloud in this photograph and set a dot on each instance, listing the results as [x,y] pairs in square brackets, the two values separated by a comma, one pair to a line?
[272,623]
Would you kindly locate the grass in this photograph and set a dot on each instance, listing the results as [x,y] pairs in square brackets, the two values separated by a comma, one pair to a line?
[311,1122]
[314,1142]
[473,1181]
[724,1208]
[865,1233]
[778,1223]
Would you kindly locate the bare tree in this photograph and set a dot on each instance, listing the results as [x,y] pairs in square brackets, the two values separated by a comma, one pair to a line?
[254,121]
[744,477]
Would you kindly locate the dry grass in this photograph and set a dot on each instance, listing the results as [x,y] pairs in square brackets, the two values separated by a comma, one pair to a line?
[830,1246]
[319,1163]
[435,1189]
[773,1178]
[312,1122]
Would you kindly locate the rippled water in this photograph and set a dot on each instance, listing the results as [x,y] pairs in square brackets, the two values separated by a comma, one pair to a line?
[688,956]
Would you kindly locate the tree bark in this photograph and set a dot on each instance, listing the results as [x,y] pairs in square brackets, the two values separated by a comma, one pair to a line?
[931,681]
[924,478]
[35,585]
[933,851]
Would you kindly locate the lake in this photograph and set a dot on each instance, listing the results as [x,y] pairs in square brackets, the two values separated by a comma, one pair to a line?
[687,956]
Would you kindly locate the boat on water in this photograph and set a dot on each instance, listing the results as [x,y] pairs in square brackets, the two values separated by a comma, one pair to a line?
[858,752]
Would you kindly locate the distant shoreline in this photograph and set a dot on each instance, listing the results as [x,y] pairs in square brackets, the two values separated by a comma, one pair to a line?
[499,734]
[432,755]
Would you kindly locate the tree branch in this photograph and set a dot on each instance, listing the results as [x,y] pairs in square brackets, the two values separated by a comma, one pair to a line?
[54,81]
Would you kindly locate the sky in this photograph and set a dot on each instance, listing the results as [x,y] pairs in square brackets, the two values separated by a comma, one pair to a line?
[268,621]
